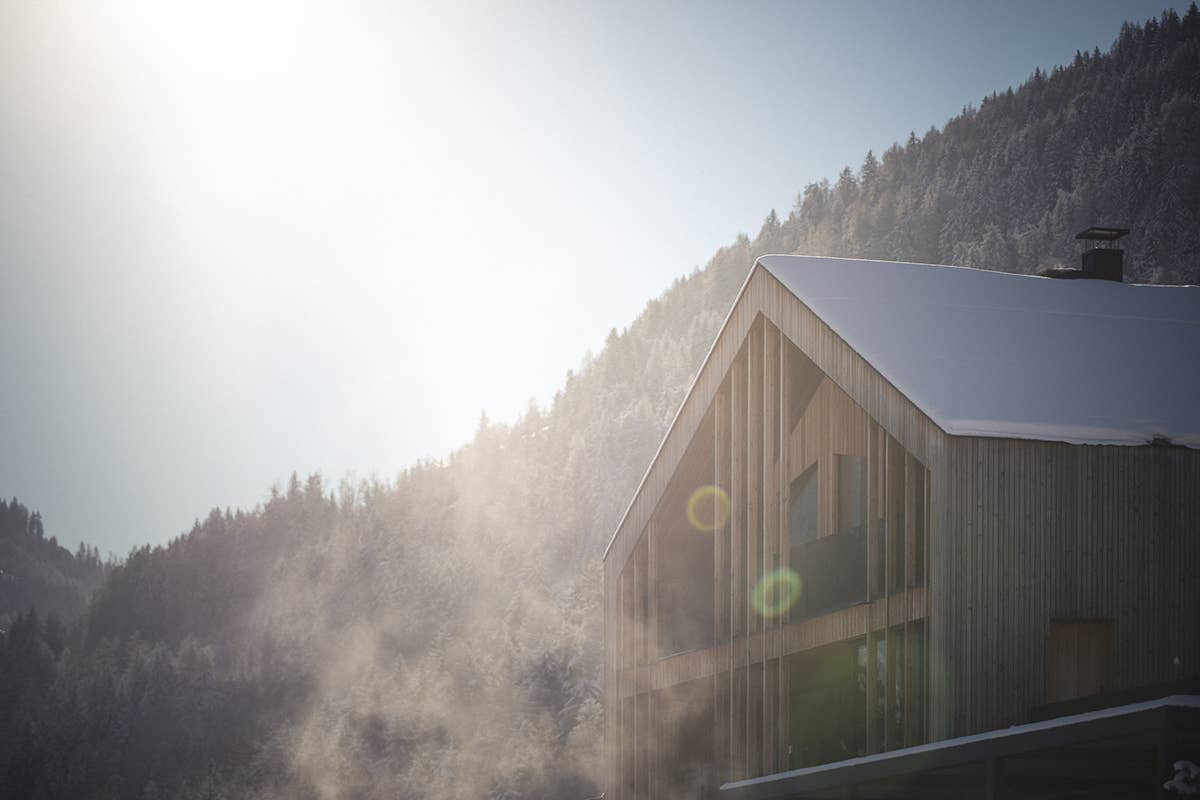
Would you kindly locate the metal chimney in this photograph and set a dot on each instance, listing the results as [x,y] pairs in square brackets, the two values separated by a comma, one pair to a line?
[1103,259]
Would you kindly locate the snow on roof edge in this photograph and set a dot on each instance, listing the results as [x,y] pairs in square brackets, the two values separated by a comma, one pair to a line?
[1070,434]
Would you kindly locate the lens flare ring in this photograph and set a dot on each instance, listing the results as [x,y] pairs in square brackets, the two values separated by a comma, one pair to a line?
[776,592]
[719,512]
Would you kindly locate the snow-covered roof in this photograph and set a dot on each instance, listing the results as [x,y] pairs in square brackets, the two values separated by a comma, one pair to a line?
[1017,356]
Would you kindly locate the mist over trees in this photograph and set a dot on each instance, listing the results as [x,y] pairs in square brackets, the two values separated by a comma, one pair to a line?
[37,572]
[439,635]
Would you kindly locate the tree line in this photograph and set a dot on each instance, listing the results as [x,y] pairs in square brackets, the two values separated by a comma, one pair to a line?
[439,635]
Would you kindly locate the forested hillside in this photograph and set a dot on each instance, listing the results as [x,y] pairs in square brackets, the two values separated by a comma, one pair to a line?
[1108,140]
[439,635]
[37,572]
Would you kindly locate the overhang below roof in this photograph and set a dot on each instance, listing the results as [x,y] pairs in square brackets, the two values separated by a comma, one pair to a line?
[1170,722]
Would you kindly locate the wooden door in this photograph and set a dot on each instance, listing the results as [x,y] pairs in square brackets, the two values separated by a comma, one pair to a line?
[1080,659]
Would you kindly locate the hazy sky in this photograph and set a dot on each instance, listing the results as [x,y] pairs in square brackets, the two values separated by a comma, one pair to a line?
[240,239]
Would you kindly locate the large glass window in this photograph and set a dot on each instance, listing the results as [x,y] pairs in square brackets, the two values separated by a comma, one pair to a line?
[684,563]
[682,742]
[918,645]
[828,704]
[832,569]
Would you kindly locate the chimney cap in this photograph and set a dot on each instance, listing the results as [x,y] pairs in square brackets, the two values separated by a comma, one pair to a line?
[1102,234]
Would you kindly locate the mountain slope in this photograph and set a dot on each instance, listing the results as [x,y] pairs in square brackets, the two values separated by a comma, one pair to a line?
[1109,140]
[37,573]
[439,636]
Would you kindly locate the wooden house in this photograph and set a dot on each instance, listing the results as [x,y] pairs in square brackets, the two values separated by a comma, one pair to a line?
[916,531]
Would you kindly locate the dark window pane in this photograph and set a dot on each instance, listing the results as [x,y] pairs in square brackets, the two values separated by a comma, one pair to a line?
[684,590]
[895,483]
[918,577]
[859,720]
[918,684]
[896,717]
[880,690]
[851,492]
[828,704]
[896,541]
[683,748]
[802,507]
[879,557]
[833,572]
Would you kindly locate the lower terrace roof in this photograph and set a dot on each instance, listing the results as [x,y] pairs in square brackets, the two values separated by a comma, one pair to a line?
[925,769]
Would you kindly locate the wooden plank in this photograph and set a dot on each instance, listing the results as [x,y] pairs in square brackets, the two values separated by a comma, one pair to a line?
[754,539]
[788,358]
[770,534]
[652,545]
[889,659]
[781,490]
[721,588]
[638,565]
[738,558]
[754,468]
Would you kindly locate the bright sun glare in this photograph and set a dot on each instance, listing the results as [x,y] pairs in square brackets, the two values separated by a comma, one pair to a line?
[353,186]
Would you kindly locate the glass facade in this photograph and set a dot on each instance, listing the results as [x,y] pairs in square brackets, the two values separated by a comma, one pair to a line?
[749,645]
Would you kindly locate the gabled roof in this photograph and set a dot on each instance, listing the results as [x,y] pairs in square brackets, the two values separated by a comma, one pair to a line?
[1016,356]
[996,354]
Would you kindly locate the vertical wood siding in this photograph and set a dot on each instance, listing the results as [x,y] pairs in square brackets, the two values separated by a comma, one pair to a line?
[1019,533]
[1042,531]
[754,457]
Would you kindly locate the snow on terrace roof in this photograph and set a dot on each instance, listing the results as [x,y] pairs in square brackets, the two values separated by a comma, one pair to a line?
[1017,356]
[994,742]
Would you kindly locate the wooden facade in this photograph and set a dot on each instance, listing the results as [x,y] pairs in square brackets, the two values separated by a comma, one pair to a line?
[929,570]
